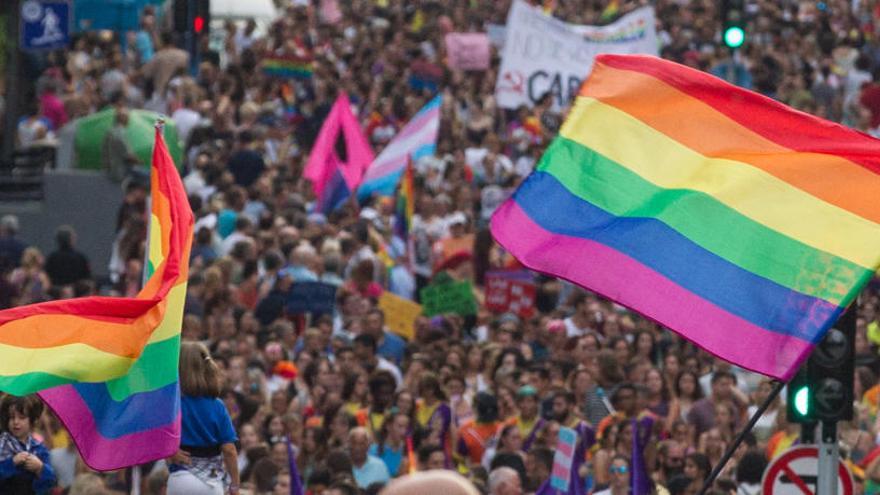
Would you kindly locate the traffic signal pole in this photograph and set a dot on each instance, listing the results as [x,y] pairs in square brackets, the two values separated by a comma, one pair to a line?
[828,459]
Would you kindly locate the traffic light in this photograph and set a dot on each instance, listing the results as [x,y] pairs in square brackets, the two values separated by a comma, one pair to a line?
[830,370]
[822,390]
[733,22]
[201,16]
[797,404]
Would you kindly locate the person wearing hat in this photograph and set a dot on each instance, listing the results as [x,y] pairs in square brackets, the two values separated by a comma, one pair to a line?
[528,420]
[457,243]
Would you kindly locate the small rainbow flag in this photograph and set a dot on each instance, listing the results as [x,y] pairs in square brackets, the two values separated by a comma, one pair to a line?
[745,226]
[133,415]
[288,67]
[611,10]
[404,209]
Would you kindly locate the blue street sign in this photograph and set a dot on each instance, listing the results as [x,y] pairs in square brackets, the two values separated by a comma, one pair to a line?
[45,24]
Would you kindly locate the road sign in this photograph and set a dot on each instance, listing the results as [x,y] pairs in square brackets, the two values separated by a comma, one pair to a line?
[796,472]
[45,24]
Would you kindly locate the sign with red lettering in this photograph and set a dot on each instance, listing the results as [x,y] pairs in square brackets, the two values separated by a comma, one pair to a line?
[511,292]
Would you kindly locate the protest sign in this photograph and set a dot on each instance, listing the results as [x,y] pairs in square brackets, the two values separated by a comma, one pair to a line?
[400,314]
[467,51]
[542,53]
[449,297]
[511,292]
[311,297]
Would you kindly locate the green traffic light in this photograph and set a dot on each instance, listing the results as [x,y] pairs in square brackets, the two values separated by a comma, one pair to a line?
[734,37]
[802,401]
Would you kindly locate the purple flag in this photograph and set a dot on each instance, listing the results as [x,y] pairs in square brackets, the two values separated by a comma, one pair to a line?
[296,485]
[640,481]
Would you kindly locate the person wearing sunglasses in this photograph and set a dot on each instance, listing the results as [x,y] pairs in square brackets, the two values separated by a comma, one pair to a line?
[619,473]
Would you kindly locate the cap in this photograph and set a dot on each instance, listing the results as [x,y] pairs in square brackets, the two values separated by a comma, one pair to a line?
[527,391]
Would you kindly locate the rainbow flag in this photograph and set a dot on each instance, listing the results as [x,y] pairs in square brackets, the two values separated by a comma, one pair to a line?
[288,67]
[404,209]
[611,10]
[745,226]
[133,415]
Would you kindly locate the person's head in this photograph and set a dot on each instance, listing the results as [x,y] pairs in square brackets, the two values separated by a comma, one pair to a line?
[18,415]
[751,467]
[374,322]
[199,374]
[358,444]
[431,456]
[619,471]
[539,464]
[624,399]
[671,455]
[527,401]
[434,482]
[9,225]
[65,237]
[511,439]
[722,385]
[687,386]
[486,406]
[365,348]
[504,481]
[429,387]
[382,385]
[563,403]
[696,466]
[282,483]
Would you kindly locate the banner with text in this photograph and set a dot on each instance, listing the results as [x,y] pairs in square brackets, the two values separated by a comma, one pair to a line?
[542,53]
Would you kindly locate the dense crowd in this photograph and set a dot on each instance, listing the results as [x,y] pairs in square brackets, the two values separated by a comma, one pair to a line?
[485,394]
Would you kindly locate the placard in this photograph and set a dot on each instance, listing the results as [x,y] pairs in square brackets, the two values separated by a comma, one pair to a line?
[467,51]
[511,292]
[449,297]
[400,314]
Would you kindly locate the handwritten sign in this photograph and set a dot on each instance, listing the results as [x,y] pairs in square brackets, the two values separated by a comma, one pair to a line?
[562,460]
[511,292]
[467,51]
[311,297]
[400,314]
[449,297]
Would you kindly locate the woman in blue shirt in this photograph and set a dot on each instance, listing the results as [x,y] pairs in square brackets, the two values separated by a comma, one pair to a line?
[207,440]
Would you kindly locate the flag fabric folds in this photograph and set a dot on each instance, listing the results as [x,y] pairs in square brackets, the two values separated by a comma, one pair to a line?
[334,180]
[743,225]
[135,418]
[404,208]
[418,138]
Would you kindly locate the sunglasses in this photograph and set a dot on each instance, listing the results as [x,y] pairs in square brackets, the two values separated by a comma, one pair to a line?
[618,469]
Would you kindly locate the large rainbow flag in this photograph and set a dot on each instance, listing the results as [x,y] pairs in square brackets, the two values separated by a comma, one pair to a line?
[117,357]
[730,218]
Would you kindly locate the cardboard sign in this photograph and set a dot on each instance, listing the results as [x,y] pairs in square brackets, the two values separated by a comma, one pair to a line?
[450,297]
[511,292]
[311,297]
[467,51]
[400,314]
[560,476]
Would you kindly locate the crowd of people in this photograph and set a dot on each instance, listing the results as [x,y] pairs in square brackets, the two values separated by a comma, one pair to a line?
[483,395]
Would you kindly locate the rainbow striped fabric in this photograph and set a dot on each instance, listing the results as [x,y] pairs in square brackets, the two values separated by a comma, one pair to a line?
[288,67]
[743,225]
[133,415]
[418,138]
[404,208]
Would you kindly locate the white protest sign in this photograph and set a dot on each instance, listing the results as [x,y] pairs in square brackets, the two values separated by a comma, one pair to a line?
[542,53]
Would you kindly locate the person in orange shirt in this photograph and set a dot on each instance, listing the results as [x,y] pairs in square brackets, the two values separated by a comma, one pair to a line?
[474,436]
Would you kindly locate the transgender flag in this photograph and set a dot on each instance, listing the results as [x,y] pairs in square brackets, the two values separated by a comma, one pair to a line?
[417,139]
[135,418]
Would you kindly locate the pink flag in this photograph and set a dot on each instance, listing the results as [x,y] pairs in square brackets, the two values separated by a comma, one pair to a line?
[333,179]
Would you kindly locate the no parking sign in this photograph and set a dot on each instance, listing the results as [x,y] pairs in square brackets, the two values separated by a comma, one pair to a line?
[795,472]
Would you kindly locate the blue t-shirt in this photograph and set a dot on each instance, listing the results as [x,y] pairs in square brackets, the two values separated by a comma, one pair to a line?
[392,458]
[205,422]
[392,348]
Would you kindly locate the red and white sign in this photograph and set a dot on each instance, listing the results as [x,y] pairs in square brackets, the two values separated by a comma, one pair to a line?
[511,292]
[795,473]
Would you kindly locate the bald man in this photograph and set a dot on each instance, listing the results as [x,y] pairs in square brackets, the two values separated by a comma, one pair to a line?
[434,482]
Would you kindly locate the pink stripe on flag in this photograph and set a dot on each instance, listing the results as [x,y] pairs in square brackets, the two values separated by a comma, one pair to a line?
[102,454]
[565,449]
[625,280]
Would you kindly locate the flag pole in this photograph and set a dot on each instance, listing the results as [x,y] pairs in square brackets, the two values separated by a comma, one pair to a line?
[739,438]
